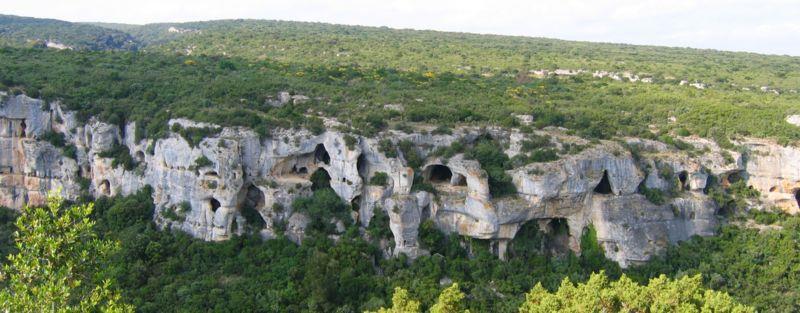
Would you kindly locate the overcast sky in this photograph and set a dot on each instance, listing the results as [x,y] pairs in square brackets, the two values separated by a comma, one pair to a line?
[764,26]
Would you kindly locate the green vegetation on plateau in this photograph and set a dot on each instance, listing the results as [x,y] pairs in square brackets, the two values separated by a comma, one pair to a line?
[439,78]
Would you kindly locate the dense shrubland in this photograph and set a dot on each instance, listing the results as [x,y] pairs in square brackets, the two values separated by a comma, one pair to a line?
[150,88]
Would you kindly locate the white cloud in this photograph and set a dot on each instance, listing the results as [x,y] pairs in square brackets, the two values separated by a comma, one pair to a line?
[767,26]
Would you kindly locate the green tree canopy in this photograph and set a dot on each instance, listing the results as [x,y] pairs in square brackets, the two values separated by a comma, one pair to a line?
[660,295]
[58,258]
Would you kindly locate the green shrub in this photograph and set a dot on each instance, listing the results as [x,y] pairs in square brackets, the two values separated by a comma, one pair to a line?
[379,179]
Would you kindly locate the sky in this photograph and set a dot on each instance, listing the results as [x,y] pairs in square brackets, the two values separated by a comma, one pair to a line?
[763,26]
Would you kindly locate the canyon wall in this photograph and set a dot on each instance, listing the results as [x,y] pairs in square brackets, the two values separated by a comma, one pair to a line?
[202,188]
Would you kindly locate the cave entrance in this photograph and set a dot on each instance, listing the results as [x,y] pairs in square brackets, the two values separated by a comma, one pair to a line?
[683,176]
[105,187]
[22,128]
[214,203]
[361,165]
[604,186]
[797,197]
[302,170]
[458,180]
[321,155]
[732,178]
[438,174]
[253,198]
[356,203]
[556,239]
[140,156]
[320,179]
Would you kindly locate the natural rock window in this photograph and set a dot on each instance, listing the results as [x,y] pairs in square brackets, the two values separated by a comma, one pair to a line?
[604,187]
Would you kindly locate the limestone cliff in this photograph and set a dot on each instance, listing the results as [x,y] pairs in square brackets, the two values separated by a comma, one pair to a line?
[202,188]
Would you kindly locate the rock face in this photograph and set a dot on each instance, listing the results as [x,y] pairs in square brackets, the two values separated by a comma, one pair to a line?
[204,189]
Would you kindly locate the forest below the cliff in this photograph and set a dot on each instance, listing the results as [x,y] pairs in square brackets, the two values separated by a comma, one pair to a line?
[373,79]
[155,269]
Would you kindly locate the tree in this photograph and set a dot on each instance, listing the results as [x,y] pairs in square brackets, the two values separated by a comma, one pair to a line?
[450,301]
[56,267]
[401,303]
[625,295]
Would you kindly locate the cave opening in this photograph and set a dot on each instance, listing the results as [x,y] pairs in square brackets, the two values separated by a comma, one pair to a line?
[211,174]
[303,170]
[105,187]
[356,203]
[320,179]
[732,178]
[321,154]
[253,198]
[439,174]
[604,186]
[797,197]
[214,203]
[140,156]
[683,176]
[361,165]
[22,128]
[458,180]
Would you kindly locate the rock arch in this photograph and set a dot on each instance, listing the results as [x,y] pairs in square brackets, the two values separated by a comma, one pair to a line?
[140,156]
[604,186]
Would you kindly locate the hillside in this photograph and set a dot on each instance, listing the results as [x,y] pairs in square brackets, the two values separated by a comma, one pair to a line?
[31,32]
[274,166]
[352,73]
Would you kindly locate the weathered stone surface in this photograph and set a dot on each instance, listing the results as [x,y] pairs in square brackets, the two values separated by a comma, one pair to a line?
[597,186]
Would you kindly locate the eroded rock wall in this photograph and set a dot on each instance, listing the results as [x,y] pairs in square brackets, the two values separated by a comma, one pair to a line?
[202,189]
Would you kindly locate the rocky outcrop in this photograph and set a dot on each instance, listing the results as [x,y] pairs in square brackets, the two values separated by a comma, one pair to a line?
[203,188]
